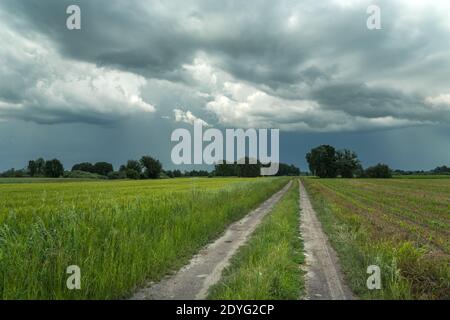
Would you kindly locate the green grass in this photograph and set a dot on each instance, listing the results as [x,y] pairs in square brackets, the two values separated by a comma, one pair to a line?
[401,225]
[268,266]
[120,233]
[422,176]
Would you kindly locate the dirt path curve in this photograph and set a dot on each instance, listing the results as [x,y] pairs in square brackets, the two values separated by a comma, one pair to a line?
[204,270]
[324,279]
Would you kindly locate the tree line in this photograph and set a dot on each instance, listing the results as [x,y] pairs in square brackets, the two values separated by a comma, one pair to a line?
[146,167]
[248,169]
[326,162]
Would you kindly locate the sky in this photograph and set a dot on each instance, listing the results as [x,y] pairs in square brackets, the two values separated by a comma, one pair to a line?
[137,70]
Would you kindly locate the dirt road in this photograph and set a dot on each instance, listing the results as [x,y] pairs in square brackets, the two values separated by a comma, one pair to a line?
[324,280]
[204,270]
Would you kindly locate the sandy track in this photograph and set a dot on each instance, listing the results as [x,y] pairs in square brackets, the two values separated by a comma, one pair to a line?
[324,280]
[204,270]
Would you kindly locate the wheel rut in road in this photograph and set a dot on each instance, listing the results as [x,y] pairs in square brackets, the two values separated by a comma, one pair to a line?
[205,269]
[324,279]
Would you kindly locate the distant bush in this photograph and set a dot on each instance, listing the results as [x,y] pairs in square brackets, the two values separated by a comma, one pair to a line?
[102,168]
[132,174]
[77,174]
[165,175]
[84,166]
[114,175]
[442,170]
[378,171]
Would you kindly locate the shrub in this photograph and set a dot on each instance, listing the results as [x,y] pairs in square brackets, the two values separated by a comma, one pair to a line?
[379,171]
[114,175]
[78,174]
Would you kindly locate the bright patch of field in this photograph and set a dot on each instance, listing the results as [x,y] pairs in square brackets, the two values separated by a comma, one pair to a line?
[267,267]
[401,225]
[120,233]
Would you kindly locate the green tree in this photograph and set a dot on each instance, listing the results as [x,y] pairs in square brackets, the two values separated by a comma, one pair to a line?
[117,175]
[103,168]
[177,173]
[32,168]
[84,166]
[248,169]
[225,169]
[322,161]
[347,163]
[379,171]
[40,167]
[169,173]
[133,165]
[152,167]
[287,170]
[132,174]
[441,170]
[54,168]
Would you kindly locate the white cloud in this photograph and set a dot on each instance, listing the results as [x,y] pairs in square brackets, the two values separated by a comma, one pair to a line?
[187,117]
[53,87]
[439,102]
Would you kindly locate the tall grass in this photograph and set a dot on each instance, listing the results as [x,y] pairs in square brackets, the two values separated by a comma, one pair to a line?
[119,242]
[268,266]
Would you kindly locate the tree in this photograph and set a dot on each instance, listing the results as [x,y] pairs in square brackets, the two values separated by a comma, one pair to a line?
[287,170]
[40,167]
[132,174]
[102,168]
[84,166]
[133,165]
[117,175]
[225,169]
[152,167]
[32,169]
[441,169]
[379,171]
[54,168]
[9,173]
[177,173]
[169,173]
[196,173]
[347,163]
[36,167]
[322,161]
[248,169]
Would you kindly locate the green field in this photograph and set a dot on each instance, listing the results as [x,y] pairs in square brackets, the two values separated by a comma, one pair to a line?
[120,233]
[401,225]
[267,267]
[125,233]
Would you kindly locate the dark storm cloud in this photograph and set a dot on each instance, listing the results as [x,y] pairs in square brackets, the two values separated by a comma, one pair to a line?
[363,101]
[299,65]
[291,50]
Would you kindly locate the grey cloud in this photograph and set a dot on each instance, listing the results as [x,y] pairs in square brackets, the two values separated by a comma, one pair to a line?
[363,101]
[290,49]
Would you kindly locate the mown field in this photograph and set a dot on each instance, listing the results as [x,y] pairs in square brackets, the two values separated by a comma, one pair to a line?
[267,267]
[120,233]
[401,225]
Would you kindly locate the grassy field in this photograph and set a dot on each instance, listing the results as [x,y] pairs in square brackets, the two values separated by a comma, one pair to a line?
[267,267]
[401,225]
[423,176]
[120,233]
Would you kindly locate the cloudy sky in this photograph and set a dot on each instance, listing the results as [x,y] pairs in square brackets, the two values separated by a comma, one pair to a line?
[136,70]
